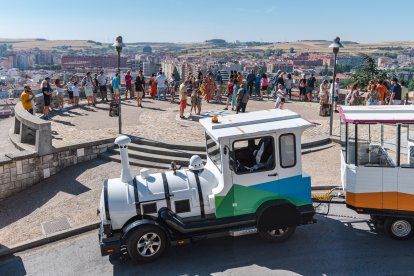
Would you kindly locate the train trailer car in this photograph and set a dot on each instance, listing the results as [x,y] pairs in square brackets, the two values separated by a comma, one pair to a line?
[252,182]
[377,165]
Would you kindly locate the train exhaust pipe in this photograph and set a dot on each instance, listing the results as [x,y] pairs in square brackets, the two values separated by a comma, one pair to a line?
[126,173]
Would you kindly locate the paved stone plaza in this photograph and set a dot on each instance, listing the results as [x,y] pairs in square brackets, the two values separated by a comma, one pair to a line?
[157,121]
[74,192]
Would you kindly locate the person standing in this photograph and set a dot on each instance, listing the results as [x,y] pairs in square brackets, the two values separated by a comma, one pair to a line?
[87,85]
[95,87]
[229,95]
[26,98]
[59,90]
[76,91]
[302,88]
[141,74]
[372,98]
[139,90]
[47,94]
[251,77]
[310,86]
[161,86]
[242,98]
[128,85]
[69,86]
[257,85]
[183,98]
[172,83]
[353,97]
[209,87]
[289,85]
[115,87]
[335,93]
[395,92]
[102,81]
[281,96]
[264,83]
[324,92]
[383,91]
[219,78]
[153,86]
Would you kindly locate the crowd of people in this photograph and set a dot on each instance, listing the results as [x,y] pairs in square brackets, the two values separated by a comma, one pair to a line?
[198,88]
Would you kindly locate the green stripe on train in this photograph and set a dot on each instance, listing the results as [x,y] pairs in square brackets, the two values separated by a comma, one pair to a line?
[247,200]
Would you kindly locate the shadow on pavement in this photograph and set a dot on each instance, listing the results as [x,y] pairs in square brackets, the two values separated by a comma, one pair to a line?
[328,247]
[12,265]
[27,201]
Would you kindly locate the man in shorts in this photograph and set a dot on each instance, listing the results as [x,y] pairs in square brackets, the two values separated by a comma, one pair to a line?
[115,86]
[102,81]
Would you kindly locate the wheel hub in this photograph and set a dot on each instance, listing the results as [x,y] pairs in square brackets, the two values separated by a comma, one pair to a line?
[149,244]
[401,228]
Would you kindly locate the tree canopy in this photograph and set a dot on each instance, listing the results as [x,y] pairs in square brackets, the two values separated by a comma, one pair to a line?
[367,71]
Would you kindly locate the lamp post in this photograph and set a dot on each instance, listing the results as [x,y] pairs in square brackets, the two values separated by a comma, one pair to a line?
[118,46]
[335,47]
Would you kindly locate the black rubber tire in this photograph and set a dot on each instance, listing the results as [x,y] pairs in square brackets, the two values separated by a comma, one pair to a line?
[390,223]
[134,238]
[267,236]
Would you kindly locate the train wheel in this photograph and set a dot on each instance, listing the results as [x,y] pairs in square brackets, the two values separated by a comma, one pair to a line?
[399,228]
[146,243]
[278,235]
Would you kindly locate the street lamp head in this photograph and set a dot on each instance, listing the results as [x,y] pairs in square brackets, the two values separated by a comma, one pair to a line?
[118,43]
[336,45]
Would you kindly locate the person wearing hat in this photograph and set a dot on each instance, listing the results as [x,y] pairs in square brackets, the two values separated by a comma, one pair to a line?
[26,98]
[395,92]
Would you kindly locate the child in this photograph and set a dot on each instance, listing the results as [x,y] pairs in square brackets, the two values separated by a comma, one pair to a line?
[75,90]
[183,98]
[281,94]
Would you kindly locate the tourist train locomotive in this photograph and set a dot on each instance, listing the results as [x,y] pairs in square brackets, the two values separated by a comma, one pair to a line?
[251,182]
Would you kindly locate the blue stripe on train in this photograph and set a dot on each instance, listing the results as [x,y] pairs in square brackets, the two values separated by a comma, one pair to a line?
[296,186]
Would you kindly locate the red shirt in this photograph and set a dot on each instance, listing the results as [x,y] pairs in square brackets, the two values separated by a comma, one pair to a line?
[128,79]
[230,88]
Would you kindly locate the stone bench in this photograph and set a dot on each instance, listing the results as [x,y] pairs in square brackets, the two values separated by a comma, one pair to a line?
[32,130]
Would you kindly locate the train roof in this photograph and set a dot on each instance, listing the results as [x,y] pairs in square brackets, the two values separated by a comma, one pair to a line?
[252,123]
[394,114]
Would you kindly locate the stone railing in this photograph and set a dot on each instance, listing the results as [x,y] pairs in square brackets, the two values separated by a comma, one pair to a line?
[24,169]
[32,130]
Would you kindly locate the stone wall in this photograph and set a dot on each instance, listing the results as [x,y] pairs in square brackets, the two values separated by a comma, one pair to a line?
[21,172]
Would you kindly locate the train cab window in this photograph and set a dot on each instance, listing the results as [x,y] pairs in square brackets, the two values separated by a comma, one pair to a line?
[213,151]
[287,150]
[254,155]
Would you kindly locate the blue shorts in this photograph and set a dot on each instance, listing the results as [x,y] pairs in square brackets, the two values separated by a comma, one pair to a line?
[335,98]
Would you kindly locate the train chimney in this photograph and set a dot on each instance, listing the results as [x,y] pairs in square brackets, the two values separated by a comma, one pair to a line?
[126,173]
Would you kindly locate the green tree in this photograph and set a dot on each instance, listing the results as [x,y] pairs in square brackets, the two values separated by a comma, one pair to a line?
[292,50]
[410,85]
[3,49]
[367,71]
